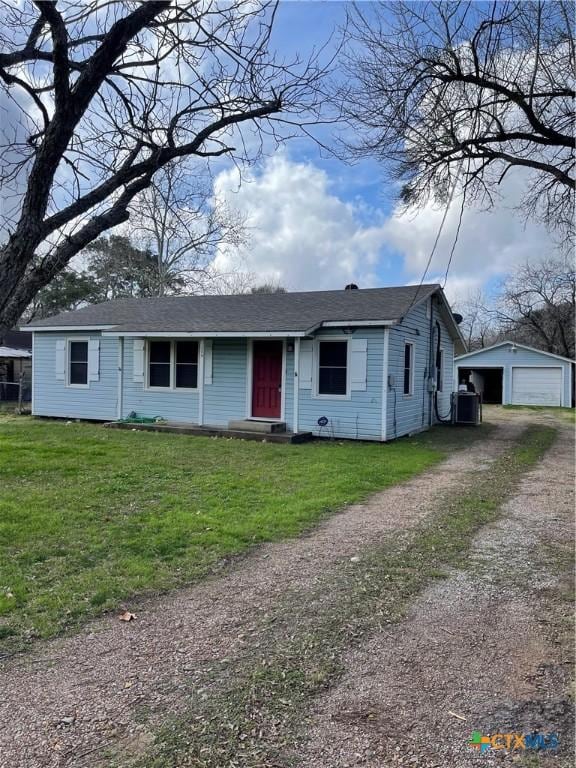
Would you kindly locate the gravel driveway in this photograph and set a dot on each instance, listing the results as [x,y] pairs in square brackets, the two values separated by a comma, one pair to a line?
[109,688]
[479,651]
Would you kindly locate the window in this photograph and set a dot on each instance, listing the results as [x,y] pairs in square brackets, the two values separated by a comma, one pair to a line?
[187,364]
[440,371]
[408,367]
[173,364]
[333,368]
[159,363]
[78,363]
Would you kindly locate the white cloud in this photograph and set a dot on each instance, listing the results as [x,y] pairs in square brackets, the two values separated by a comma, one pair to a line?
[490,243]
[301,235]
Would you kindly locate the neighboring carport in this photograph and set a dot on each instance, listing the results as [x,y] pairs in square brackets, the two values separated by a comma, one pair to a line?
[514,374]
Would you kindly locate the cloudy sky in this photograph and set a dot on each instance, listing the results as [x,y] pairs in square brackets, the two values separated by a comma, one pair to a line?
[318,223]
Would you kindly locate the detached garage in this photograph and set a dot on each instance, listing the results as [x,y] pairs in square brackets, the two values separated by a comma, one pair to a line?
[513,374]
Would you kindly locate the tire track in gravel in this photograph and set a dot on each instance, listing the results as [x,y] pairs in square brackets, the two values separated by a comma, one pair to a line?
[487,644]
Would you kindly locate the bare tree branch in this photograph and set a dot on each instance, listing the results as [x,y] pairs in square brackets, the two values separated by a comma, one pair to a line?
[435,84]
[108,94]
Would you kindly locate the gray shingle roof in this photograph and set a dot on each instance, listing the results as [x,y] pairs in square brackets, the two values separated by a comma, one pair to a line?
[257,313]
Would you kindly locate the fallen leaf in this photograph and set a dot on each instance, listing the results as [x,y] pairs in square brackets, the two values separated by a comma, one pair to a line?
[127,616]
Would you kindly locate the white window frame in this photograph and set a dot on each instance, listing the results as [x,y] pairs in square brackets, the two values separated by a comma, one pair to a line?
[172,387]
[412,368]
[440,373]
[68,362]
[316,368]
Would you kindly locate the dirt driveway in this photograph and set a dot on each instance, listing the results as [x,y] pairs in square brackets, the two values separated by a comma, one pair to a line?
[484,644]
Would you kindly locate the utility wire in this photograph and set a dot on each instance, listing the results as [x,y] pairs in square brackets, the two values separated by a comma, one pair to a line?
[438,235]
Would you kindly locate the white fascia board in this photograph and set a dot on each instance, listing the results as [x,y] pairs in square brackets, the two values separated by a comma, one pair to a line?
[208,334]
[357,323]
[64,328]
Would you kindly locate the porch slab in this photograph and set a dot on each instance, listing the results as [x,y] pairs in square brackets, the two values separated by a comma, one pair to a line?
[207,431]
[254,425]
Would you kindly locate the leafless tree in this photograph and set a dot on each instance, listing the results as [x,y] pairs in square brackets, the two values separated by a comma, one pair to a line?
[464,91]
[180,222]
[478,326]
[537,306]
[98,96]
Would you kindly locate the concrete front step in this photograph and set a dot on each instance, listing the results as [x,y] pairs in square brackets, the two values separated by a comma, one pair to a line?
[192,429]
[262,427]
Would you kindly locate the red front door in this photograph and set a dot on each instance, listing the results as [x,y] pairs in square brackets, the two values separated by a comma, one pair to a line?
[267,379]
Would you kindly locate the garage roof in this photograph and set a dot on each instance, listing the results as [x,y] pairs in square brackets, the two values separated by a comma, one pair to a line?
[513,344]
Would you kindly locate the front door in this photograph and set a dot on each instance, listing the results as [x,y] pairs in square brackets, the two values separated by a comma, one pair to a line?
[267,379]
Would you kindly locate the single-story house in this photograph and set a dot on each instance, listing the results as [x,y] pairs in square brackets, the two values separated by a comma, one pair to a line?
[15,365]
[365,364]
[514,374]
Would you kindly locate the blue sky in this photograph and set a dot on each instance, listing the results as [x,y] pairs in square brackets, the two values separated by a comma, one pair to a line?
[318,222]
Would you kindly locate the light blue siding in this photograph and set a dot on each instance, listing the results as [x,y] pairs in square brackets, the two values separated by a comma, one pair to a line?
[411,413]
[359,417]
[225,398]
[172,405]
[504,357]
[51,396]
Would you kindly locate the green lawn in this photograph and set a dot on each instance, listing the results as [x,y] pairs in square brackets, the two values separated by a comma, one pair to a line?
[90,517]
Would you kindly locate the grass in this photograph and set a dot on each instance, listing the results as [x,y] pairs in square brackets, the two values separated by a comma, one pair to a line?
[565,413]
[90,517]
[256,709]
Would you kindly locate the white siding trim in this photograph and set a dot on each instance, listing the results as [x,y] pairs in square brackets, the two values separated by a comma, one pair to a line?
[33,375]
[200,374]
[249,375]
[296,388]
[67,328]
[203,334]
[119,403]
[357,323]
[283,384]
[384,425]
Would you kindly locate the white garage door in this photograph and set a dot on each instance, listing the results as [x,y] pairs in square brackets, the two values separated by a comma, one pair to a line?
[536,386]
